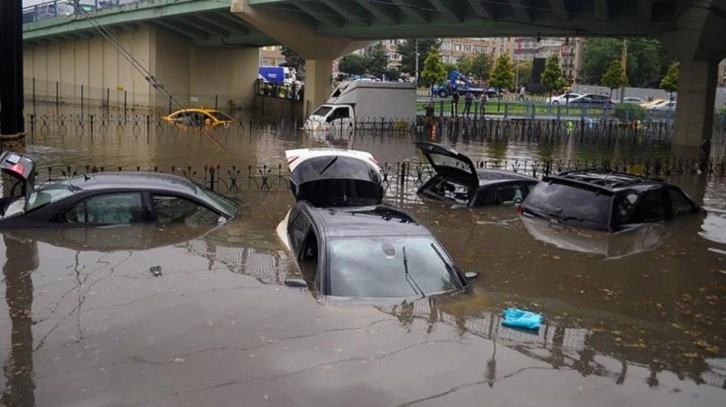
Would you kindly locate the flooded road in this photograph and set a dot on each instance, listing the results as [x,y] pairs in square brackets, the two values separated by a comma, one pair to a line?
[201,317]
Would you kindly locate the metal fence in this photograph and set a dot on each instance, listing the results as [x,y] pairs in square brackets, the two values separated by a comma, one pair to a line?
[399,178]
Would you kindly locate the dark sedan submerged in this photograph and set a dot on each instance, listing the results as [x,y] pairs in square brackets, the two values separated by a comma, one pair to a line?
[458,181]
[368,252]
[101,199]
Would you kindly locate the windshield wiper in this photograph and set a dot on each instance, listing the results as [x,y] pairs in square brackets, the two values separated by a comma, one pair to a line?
[408,277]
[448,267]
[331,162]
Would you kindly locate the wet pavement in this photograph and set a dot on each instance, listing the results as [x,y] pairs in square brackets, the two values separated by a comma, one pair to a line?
[202,318]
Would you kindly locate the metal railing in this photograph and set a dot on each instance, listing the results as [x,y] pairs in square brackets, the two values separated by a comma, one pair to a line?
[64,8]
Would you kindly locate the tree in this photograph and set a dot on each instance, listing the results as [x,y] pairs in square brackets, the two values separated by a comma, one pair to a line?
[377,60]
[480,66]
[551,77]
[465,65]
[669,83]
[525,71]
[502,75]
[293,60]
[407,50]
[353,64]
[646,60]
[433,70]
[614,77]
[448,66]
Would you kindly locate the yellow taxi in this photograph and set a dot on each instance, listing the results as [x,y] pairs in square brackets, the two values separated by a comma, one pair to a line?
[199,117]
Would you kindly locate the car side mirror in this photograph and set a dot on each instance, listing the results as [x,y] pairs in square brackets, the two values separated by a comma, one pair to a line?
[470,275]
[296,283]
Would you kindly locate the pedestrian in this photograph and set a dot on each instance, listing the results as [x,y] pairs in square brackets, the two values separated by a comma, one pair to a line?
[455,103]
[483,104]
[468,98]
[521,93]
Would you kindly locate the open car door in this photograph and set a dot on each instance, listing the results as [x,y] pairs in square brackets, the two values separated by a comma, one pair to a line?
[21,170]
[449,163]
[334,177]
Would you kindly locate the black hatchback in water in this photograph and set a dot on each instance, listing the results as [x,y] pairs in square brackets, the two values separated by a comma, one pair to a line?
[106,198]
[458,181]
[606,200]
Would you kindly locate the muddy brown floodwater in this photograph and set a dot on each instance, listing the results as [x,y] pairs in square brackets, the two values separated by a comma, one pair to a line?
[179,317]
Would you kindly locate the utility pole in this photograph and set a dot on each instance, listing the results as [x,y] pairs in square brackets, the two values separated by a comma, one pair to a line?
[415,78]
[11,69]
[624,62]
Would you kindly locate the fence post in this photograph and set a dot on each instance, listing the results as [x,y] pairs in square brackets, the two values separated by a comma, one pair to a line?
[216,101]
[506,109]
[57,97]
[169,104]
[34,95]
[81,102]
[125,105]
[108,100]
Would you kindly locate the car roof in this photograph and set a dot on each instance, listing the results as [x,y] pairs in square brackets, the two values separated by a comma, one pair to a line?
[605,179]
[134,180]
[494,176]
[376,220]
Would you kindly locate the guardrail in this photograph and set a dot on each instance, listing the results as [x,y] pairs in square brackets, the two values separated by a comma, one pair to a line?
[63,8]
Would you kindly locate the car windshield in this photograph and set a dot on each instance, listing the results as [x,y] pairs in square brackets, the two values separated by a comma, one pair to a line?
[50,193]
[373,266]
[566,202]
[219,116]
[227,205]
[322,111]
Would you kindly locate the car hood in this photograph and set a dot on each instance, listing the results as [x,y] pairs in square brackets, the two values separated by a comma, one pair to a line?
[21,168]
[449,163]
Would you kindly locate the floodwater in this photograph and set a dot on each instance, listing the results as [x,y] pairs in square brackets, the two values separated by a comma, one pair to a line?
[179,317]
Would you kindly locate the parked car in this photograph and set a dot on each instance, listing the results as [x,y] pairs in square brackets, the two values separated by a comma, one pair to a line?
[633,100]
[653,102]
[663,107]
[106,198]
[564,98]
[458,181]
[368,252]
[592,100]
[199,117]
[334,177]
[605,200]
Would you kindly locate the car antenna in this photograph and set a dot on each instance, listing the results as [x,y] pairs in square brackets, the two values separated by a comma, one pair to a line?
[408,277]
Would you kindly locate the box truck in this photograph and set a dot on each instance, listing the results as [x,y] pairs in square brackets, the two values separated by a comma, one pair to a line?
[276,74]
[365,101]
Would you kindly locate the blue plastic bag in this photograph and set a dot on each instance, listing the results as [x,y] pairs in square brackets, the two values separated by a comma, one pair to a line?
[517,318]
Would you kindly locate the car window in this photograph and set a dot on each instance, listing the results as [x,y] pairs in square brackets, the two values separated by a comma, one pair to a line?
[108,209]
[47,194]
[447,189]
[564,201]
[510,194]
[371,266]
[649,207]
[680,204]
[298,228]
[174,209]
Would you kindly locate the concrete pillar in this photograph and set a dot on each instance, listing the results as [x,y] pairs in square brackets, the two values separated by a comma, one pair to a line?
[318,74]
[319,51]
[699,45]
[11,70]
[695,103]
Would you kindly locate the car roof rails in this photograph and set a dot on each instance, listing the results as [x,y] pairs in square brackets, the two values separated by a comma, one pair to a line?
[609,178]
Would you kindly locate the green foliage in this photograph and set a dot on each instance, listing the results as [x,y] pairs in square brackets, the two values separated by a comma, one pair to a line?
[480,66]
[646,60]
[377,60]
[669,83]
[392,74]
[292,59]
[614,77]
[525,72]
[353,64]
[465,64]
[502,76]
[552,78]
[448,66]
[407,50]
[629,112]
[433,69]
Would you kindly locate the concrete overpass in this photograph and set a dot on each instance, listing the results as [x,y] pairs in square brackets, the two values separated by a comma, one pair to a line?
[205,35]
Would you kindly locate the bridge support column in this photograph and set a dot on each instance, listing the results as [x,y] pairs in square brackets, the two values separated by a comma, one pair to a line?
[699,45]
[318,77]
[695,106]
[319,51]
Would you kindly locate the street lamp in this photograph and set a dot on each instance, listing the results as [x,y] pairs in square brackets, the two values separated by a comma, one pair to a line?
[415,78]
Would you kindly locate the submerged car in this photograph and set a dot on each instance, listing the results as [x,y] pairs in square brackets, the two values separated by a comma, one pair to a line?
[373,251]
[334,177]
[199,117]
[605,200]
[106,198]
[458,181]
